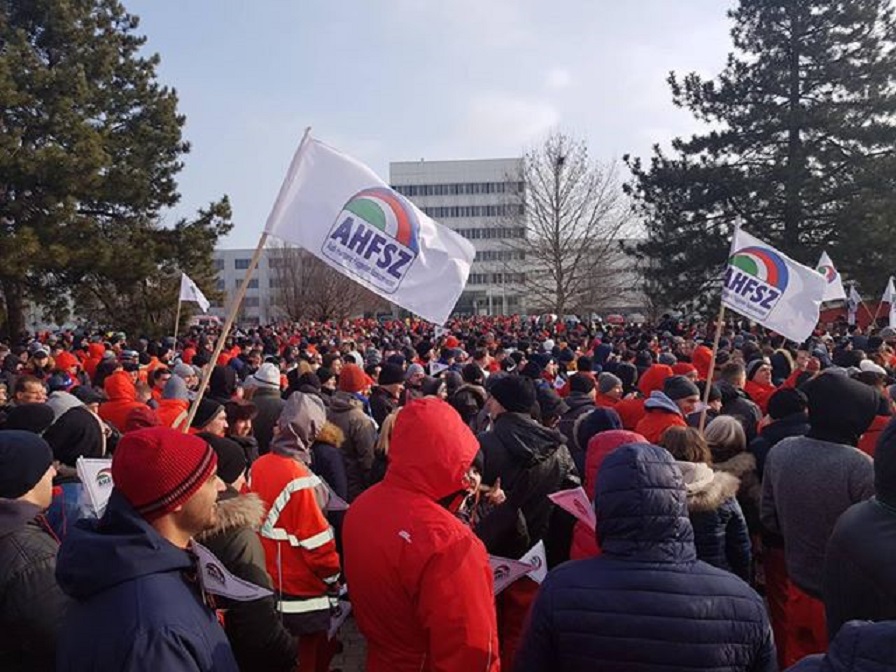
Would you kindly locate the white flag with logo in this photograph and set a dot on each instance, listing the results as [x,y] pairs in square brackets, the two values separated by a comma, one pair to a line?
[217,579]
[343,213]
[768,287]
[95,475]
[505,571]
[834,290]
[890,297]
[189,291]
[576,502]
[537,559]
[852,305]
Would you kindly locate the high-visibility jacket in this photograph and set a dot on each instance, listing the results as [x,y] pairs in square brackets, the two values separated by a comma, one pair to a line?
[299,545]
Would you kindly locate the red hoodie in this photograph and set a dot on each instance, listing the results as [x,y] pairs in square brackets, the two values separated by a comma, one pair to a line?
[122,399]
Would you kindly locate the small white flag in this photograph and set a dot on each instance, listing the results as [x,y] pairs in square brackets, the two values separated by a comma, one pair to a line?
[834,290]
[96,477]
[338,615]
[435,368]
[575,501]
[190,292]
[334,501]
[441,331]
[772,289]
[217,580]
[890,297]
[852,305]
[344,214]
[505,571]
[537,559]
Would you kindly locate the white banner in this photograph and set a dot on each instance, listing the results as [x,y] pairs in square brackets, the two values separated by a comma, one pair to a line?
[189,291]
[96,477]
[343,213]
[772,289]
[852,305]
[890,297]
[834,290]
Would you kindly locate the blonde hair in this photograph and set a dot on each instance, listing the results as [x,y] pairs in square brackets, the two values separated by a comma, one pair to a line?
[385,438]
[726,437]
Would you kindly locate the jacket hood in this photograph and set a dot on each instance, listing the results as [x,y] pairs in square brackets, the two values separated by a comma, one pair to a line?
[796,424]
[15,514]
[121,546]
[653,378]
[476,390]
[176,388]
[77,433]
[641,507]
[599,447]
[707,489]
[861,646]
[96,350]
[738,466]
[431,449]
[527,442]
[343,402]
[236,511]
[120,387]
[302,418]
[61,402]
[577,400]
[840,409]
[660,402]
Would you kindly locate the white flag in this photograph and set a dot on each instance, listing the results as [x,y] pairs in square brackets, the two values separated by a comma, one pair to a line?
[95,475]
[772,289]
[852,305]
[190,292]
[890,297]
[338,615]
[834,290]
[576,502]
[505,571]
[435,368]
[343,213]
[537,559]
[217,579]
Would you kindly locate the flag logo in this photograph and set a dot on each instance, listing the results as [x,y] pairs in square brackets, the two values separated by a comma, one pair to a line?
[376,237]
[756,279]
[829,273]
[104,477]
[213,572]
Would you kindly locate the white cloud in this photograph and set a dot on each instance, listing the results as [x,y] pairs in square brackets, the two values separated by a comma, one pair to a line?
[558,78]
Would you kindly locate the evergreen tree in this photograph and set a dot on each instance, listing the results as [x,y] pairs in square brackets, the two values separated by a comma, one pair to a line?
[800,148]
[90,145]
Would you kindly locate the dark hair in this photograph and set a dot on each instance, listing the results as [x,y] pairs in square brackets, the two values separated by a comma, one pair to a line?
[686,444]
[732,372]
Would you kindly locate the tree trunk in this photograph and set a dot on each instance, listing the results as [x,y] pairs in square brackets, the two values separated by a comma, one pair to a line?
[13,294]
[795,167]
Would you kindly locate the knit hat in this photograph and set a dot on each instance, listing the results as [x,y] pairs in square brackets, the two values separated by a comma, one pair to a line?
[391,374]
[158,469]
[868,365]
[581,384]
[207,411]
[606,382]
[77,433]
[231,457]
[754,366]
[683,369]
[24,459]
[414,370]
[35,418]
[141,417]
[840,409]
[667,358]
[353,379]
[325,375]
[515,393]
[679,387]
[550,403]
[183,370]
[786,401]
[268,375]
[240,409]
[65,360]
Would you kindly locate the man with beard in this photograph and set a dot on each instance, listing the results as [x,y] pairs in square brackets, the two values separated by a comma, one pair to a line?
[138,604]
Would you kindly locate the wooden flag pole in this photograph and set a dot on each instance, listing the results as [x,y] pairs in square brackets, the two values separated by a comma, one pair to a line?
[177,321]
[241,292]
[712,365]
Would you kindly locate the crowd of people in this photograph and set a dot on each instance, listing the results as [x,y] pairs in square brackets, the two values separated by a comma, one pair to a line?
[745,503]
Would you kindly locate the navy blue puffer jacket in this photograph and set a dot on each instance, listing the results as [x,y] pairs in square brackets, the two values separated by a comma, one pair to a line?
[860,646]
[646,603]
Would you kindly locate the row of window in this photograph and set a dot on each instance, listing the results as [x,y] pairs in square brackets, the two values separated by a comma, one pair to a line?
[496,278]
[492,232]
[450,211]
[243,264]
[500,255]
[460,189]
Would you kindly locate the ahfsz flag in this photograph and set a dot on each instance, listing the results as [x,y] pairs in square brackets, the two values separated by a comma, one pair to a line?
[343,213]
[834,289]
[852,305]
[189,291]
[772,289]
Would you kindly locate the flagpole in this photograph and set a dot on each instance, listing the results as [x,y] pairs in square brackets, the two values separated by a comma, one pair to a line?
[177,322]
[712,365]
[241,292]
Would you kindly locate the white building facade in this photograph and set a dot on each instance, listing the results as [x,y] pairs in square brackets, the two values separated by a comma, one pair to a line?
[231,266]
[479,199]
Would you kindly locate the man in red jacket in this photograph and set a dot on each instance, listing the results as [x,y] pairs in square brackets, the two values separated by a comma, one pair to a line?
[420,580]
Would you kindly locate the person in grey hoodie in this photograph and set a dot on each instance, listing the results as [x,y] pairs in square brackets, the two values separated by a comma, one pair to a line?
[809,482]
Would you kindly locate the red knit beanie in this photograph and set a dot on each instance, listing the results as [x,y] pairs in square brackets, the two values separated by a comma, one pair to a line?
[353,379]
[66,360]
[157,469]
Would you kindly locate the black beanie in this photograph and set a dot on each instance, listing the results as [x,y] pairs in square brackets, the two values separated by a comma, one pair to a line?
[786,401]
[581,383]
[206,412]
[34,418]
[24,459]
[885,465]
[679,387]
[231,457]
[840,409]
[515,393]
[391,374]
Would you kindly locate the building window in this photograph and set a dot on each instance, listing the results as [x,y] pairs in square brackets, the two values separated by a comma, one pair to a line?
[253,283]
[218,264]
[219,285]
[241,264]
[251,302]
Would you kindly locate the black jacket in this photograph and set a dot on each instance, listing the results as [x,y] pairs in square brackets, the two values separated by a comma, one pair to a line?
[381,404]
[736,403]
[796,424]
[32,605]
[579,405]
[646,603]
[257,636]
[532,462]
[859,580]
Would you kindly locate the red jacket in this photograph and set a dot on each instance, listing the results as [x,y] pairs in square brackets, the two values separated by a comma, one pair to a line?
[630,411]
[420,580]
[122,397]
[760,394]
[584,540]
[655,422]
[868,442]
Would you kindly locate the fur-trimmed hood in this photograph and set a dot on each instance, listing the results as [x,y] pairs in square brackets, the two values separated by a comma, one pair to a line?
[236,511]
[331,435]
[739,465]
[707,489]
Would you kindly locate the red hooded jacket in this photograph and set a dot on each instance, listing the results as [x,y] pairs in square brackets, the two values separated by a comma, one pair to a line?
[122,397]
[420,580]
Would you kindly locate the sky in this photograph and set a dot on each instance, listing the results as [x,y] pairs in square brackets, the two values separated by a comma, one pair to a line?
[399,80]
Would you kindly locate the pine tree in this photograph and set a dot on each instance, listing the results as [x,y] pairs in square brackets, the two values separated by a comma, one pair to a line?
[800,148]
[90,145]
